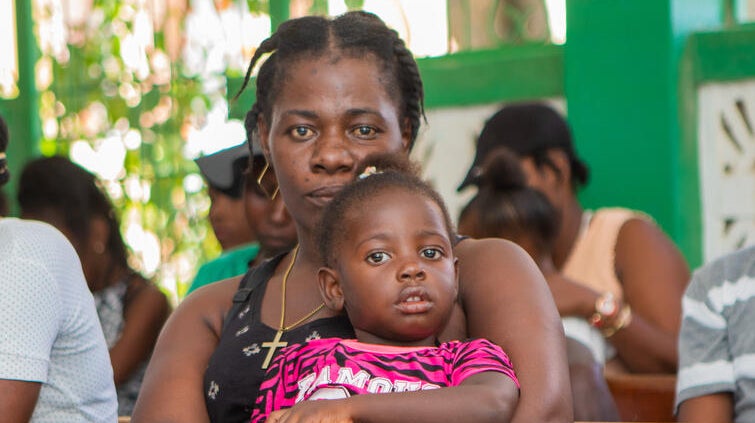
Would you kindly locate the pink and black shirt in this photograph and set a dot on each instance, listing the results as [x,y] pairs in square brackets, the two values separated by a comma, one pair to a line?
[336,368]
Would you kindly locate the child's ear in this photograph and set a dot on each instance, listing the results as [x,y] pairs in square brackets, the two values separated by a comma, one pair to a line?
[456,278]
[330,288]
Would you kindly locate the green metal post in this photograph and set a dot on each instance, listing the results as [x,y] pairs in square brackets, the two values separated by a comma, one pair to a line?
[21,113]
[622,61]
[280,10]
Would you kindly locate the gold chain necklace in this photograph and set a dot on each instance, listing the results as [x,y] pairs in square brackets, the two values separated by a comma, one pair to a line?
[276,342]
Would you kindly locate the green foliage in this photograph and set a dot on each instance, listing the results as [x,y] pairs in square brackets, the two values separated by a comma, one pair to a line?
[97,95]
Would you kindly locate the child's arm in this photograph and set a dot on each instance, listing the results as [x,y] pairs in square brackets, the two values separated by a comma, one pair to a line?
[483,397]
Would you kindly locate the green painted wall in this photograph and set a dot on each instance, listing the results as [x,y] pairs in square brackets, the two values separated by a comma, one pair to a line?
[720,56]
[505,74]
[622,80]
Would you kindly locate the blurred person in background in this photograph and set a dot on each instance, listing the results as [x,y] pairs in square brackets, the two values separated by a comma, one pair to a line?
[634,274]
[54,363]
[716,380]
[505,207]
[131,309]
[263,212]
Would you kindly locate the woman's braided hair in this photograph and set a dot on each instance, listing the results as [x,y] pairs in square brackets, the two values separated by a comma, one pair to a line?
[357,34]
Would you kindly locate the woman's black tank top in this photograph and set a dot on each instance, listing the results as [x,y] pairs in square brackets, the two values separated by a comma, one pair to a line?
[234,373]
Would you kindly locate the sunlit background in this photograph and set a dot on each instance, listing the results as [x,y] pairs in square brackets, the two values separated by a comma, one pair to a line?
[134,90]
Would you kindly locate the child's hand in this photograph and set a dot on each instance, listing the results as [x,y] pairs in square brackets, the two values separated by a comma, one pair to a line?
[321,411]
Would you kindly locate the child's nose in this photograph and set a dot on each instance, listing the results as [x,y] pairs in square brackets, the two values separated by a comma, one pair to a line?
[411,271]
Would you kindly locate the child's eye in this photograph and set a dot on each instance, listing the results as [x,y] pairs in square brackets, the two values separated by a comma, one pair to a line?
[377,257]
[431,253]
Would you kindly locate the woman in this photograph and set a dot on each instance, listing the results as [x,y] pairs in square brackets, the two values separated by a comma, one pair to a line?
[333,92]
[131,309]
[629,276]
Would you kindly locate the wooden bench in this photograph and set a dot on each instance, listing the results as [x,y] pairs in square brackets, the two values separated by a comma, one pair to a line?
[643,398]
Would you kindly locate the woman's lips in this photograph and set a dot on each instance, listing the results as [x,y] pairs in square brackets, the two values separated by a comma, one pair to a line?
[323,196]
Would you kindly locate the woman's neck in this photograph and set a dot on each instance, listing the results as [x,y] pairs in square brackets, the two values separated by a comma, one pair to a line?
[571,223]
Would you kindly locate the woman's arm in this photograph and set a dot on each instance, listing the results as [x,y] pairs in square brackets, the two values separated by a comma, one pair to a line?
[484,397]
[144,316]
[506,300]
[654,275]
[172,387]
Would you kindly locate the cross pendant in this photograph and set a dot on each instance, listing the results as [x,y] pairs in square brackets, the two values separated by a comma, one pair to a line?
[273,345]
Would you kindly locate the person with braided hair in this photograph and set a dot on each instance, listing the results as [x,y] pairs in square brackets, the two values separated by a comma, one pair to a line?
[330,93]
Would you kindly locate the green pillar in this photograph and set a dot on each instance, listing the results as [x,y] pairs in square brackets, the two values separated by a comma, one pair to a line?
[280,10]
[22,113]
[622,88]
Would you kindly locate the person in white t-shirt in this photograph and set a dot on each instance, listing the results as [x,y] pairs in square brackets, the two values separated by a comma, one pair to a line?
[54,363]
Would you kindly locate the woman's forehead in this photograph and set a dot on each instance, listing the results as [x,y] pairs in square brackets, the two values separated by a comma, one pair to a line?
[341,79]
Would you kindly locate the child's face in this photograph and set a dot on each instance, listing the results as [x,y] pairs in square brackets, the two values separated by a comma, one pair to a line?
[396,269]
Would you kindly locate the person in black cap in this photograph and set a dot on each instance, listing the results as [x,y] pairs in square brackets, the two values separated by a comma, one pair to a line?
[224,173]
[635,273]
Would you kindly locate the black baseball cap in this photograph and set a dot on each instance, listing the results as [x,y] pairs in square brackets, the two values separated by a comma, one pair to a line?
[524,128]
[224,170]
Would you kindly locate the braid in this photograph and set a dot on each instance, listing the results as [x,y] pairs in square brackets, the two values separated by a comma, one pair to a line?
[266,46]
[411,85]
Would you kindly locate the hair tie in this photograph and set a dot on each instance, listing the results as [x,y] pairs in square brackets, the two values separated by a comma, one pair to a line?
[368,171]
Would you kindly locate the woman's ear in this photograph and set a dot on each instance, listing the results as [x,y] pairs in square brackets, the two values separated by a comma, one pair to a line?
[560,162]
[456,278]
[330,288]
[263,132]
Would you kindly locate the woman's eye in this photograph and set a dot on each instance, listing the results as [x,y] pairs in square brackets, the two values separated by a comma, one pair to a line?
[431,253]
[364,131]
[302,132]
[377,258]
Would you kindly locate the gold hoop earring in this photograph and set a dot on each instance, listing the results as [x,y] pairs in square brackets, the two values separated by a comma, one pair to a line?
[262,187]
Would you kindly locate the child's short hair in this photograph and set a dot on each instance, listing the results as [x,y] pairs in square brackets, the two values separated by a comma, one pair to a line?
[378,173]
[506,207]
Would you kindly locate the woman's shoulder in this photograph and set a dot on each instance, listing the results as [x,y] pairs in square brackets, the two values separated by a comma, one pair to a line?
[485,249]
[489,264]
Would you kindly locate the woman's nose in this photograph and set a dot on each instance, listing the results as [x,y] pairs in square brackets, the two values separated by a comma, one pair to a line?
[331,154]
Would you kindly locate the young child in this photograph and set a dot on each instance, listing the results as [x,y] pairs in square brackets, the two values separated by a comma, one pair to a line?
[387,248]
